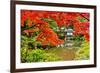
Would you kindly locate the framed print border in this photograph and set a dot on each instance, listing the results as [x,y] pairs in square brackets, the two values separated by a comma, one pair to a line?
[13,35]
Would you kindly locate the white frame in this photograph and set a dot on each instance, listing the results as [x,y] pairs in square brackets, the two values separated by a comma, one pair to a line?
[20,65]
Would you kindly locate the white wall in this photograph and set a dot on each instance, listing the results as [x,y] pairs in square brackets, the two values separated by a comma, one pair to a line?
[5,36]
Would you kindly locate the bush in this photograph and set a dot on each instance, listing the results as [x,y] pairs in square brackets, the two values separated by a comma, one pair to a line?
[83,52]
[29,42]
[37,55]
[24,53]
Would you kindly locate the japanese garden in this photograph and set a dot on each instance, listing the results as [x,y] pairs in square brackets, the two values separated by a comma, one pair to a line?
[48,36]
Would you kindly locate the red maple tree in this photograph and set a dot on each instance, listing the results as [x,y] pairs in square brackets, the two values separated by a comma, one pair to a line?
[47,35]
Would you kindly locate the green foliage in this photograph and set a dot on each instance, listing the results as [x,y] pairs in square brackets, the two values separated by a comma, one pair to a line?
[82,19]
[23,54]
[37,55]
[61,35]
[83,52]
[29,42]
[70,26]
[52,23]
[79,38]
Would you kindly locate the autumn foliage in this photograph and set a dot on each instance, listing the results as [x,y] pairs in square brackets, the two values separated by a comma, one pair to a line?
[46,35]
[49,36]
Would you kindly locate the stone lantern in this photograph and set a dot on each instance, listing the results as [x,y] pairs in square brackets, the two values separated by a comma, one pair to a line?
[68,37]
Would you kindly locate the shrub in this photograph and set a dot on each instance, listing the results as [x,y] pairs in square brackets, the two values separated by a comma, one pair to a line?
[23,54]
[83,52]
[37,55]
